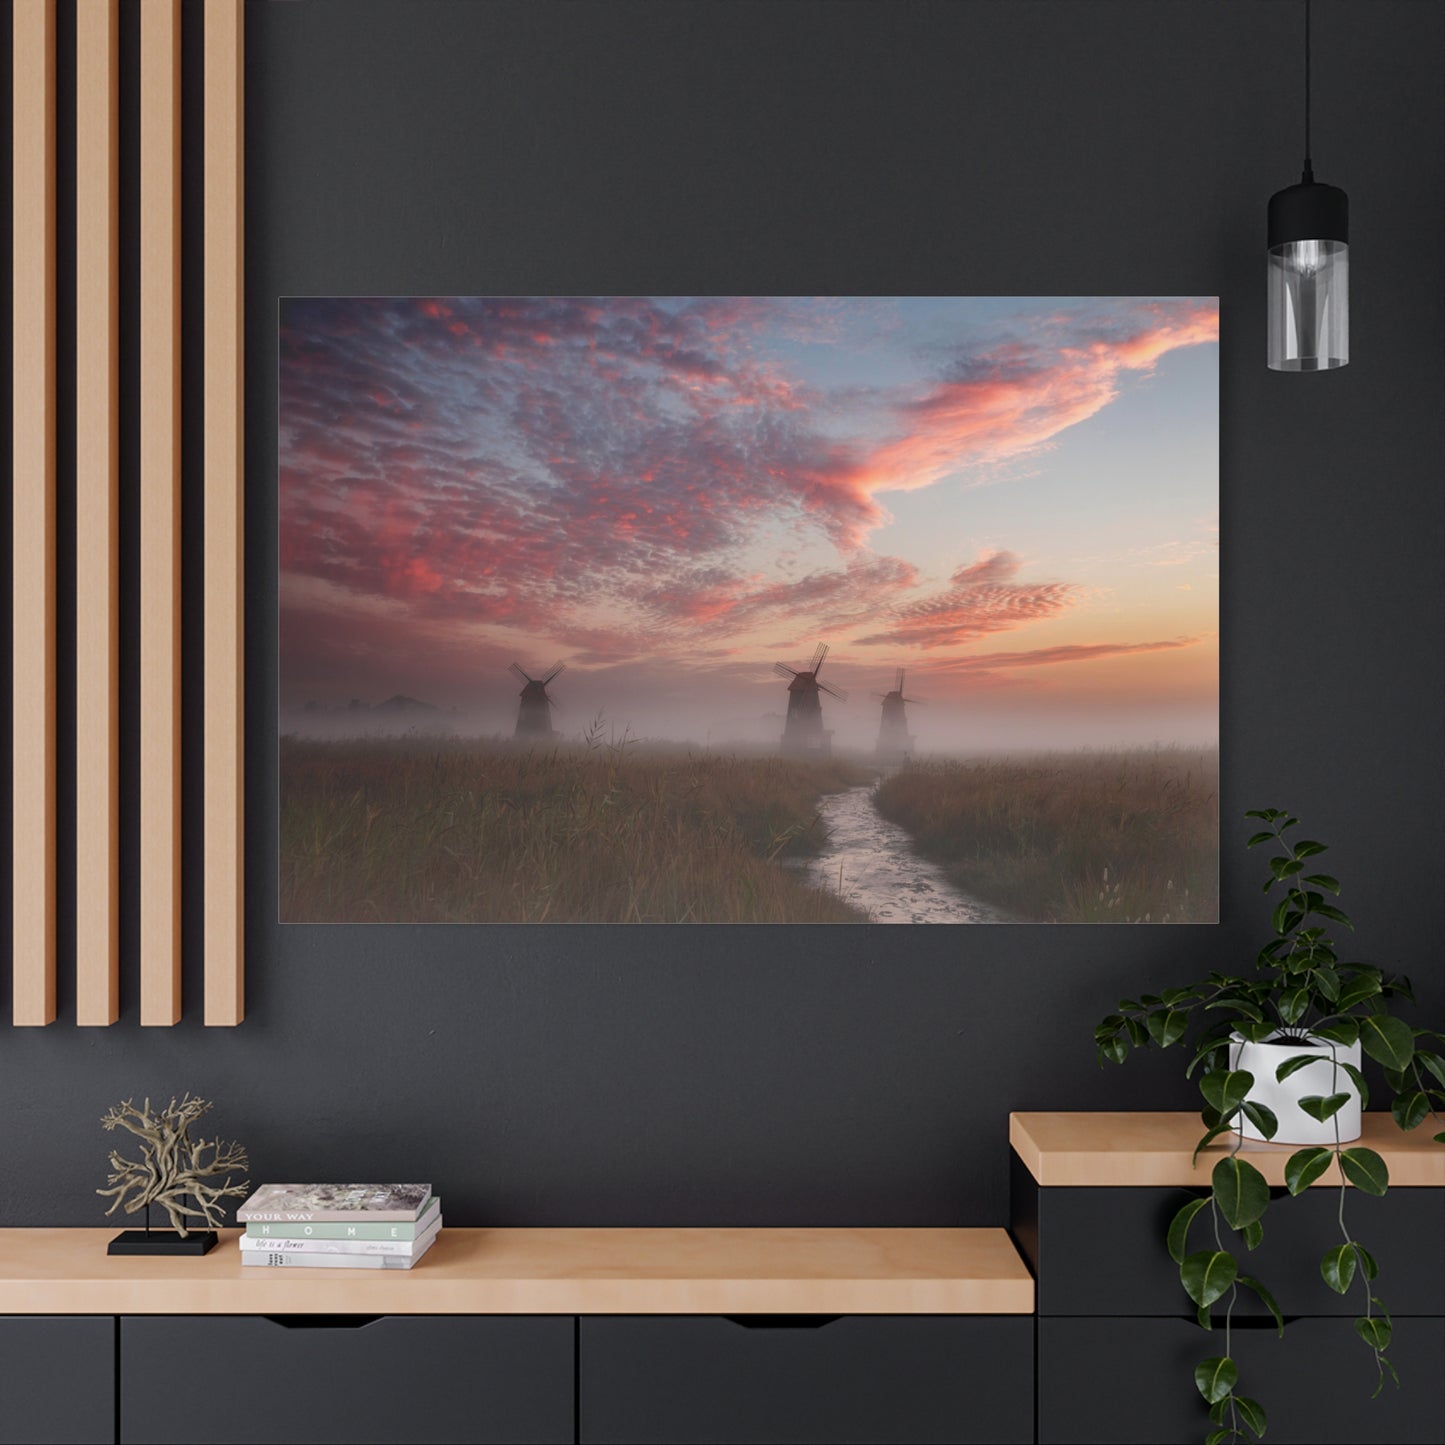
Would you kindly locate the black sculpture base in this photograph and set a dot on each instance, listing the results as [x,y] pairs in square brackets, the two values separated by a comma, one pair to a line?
[163,1241]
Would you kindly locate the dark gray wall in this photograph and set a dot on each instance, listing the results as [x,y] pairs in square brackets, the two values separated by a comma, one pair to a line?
[550,1075]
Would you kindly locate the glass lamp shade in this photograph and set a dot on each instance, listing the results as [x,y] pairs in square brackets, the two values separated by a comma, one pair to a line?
[1309,305]
[1309,278]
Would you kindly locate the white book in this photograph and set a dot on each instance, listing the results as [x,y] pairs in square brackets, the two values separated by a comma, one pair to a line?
[407,1248]
[308,1259]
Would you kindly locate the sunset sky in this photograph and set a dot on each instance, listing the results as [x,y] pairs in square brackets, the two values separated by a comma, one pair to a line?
[1014,498]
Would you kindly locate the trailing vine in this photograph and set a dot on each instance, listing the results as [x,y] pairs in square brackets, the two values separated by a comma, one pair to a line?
[1301,993]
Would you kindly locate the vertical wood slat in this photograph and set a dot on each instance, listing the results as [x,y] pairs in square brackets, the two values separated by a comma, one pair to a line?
[160,488]
[33,473]
[225,523]
[97,432]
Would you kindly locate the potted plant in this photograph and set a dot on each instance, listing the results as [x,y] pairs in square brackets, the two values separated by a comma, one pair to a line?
[1279,1054]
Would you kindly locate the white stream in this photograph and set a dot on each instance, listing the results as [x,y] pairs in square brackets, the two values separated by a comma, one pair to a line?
[870,863]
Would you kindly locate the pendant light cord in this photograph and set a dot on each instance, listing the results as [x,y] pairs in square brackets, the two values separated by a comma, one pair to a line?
[1309,171]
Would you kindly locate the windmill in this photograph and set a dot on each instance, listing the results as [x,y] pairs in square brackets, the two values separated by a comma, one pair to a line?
[534,711]
[894,739]
[803,732]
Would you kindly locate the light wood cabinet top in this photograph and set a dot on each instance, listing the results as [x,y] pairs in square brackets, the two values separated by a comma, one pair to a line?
[1100,1150]
[543,1271]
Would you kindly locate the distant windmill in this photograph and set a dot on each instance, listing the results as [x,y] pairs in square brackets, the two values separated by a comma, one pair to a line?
[894,739]
[803,732]
[534,711]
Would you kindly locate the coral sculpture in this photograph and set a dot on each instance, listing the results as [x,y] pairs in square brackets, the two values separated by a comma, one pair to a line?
[172,1166]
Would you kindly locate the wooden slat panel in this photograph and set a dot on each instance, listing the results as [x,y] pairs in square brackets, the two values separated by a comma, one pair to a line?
[160,533]
[97,432]
[225,522]
[33,559]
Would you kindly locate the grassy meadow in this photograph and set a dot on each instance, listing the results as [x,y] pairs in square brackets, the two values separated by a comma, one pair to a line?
[408,829]
[1086,837]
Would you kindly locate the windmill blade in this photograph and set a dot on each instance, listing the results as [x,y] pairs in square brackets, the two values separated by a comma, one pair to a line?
[558,668]
[915,701]
[552,701]
[883,695]
[898,686]
[819,653]
[831,691]
[783,670]
[516,669]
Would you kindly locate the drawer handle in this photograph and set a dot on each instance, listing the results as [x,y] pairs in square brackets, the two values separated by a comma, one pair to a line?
[782,1322]
[322,1322]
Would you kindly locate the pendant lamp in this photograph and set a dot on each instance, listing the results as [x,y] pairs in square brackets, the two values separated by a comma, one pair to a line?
[1309,266]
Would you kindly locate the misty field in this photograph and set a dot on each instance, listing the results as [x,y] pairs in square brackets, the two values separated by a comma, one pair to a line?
[467,831]
[1088,837]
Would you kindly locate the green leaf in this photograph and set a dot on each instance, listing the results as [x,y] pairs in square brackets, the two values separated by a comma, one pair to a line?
[1206,1048]
[1292,1004]
[1285,867]
[1281,910]
[1373,1331]
[1323,880]
[1389,1041]
[1294,1064]
[1269,1301]
[1357,990]
[1338,1267]
[1268,815]
[1226,1089]
[1202,1315]
[1166,1026]
[1262,1117]
[1317,1106]
[1253,1235]
[1215,1130]
[1308,848]
[1358,1080]
[1258,838]
[1219,1437]
[1106,1028]
[1365,1170]
[1115,1050]
[1345,1033]
[1326,979]
[1178,1236]
[1411,1110]
[1207,1274]
[1240,1191]
[1216,1377]
[1328,910]
[1367,1262]
[1433,1062]
[1252,1412]
[1304,1166]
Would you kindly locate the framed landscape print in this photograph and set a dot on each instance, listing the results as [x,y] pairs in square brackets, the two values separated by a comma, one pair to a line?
[749,610]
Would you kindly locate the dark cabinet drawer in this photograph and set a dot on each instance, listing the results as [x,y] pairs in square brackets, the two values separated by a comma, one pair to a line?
[1119,1381]
[57,1379]
[1101,1251]
[781,1379]
[312,1379]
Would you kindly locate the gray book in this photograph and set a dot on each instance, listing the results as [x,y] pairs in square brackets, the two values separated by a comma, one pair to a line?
[366,1228]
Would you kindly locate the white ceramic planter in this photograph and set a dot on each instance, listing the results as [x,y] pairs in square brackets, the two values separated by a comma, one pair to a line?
[1295,1126]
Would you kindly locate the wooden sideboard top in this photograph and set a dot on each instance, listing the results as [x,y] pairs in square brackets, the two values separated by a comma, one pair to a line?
[1098,1150]
[543,1271]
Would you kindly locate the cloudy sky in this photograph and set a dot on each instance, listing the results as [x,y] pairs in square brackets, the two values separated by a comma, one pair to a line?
[1015,499]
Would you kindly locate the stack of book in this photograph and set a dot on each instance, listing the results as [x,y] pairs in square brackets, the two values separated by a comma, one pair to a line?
[339,1226]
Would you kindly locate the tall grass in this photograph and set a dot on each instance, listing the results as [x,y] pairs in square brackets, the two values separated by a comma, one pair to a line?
[424,830]
[1121,837]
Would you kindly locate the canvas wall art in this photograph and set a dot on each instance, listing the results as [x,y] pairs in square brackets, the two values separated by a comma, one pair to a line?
[748,610]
